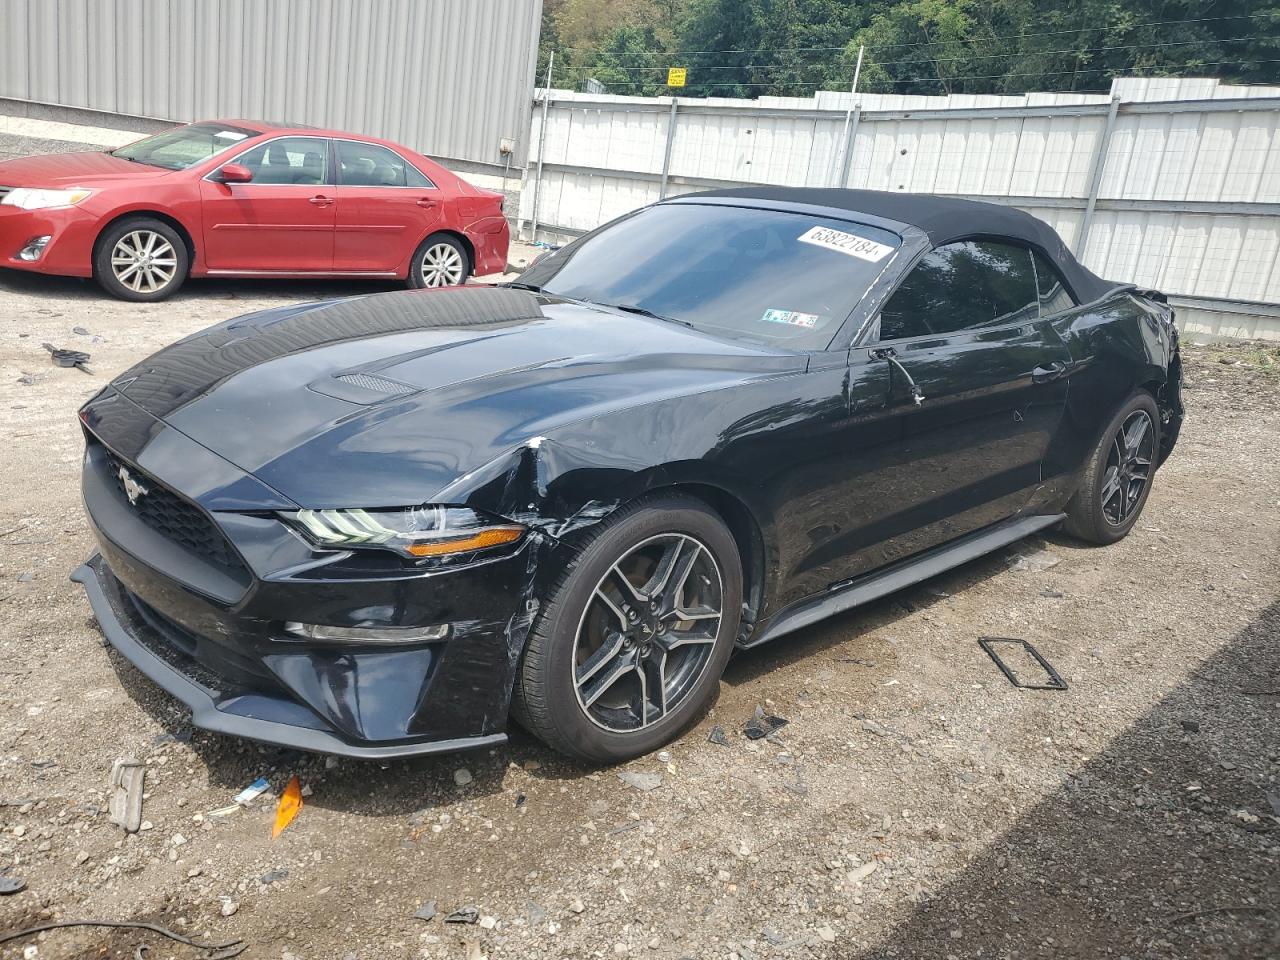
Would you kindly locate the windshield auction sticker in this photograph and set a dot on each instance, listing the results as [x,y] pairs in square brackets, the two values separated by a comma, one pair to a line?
[846,243]
[792,317]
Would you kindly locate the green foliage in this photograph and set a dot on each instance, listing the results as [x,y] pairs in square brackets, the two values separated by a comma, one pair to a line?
[753,48]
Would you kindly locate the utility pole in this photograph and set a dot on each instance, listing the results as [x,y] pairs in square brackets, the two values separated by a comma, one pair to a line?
[542,142]
[845,137]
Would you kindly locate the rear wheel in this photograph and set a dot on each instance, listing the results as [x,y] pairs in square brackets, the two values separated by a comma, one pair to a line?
[140,259]
[441,261]
[632,641]
[1118,477]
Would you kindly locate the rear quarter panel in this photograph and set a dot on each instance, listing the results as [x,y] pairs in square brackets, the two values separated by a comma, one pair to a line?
[1117,345]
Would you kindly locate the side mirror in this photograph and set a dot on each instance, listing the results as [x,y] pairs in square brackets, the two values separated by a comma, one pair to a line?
[234,173]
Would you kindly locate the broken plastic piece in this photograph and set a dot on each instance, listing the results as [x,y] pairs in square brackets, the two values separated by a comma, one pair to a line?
[10,885]
[252,792]
[68,358]
[762,725]
[287,809]
[1055,681]
[464,915]
[124,788]
[718,736]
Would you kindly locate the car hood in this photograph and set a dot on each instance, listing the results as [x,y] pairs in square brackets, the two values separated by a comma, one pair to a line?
[74,170]
[389,399]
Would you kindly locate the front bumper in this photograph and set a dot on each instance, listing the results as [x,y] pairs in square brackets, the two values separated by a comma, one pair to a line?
[69,252]
[196,578]
[240,713]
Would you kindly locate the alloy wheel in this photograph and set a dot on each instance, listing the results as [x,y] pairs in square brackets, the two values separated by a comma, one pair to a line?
[441,266]
[144,261]
[647,633]
[1128,467]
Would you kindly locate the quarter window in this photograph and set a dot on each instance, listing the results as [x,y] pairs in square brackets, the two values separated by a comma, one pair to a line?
[288,160]
[960,286]
[369,165]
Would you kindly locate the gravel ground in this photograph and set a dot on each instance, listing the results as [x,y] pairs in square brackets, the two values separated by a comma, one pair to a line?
[916,805]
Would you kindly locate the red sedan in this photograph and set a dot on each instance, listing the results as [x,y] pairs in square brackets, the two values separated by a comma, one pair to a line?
[244,199]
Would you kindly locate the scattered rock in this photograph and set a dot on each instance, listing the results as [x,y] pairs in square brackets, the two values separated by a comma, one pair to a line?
[11,885]
[229,907]
[664,756]
[273,876]
[464,915]
[641,781]
[577,906]
[827,934]
[426,912]
[718,736]
[858,874]
[462,776]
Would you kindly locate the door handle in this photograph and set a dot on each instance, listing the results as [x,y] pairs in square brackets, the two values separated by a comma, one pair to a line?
[1049,372]
[321,201]
[428,202]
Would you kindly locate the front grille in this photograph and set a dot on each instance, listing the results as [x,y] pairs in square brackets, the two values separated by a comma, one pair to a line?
[175,518]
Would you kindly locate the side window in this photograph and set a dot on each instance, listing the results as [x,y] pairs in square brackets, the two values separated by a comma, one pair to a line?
[369,165]
[289,160]
[1054,296]
[959,286]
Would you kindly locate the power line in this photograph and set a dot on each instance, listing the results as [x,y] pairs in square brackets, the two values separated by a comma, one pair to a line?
[921,43]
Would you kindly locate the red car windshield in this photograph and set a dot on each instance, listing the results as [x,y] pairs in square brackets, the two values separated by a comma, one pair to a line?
[184,147]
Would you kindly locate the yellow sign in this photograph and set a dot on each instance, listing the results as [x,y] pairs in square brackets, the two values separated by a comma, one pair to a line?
[675,76]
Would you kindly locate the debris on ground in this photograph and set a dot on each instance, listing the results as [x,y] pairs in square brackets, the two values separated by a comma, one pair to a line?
[68,358]
[643,782]
[10,885]
[252,792]
[464,915]
[273,876]
[718,736]
[1032,559]
[226,950]
[426,912]
[763,725]
[462,776]
[124,789]
[288,807]
[1052,682]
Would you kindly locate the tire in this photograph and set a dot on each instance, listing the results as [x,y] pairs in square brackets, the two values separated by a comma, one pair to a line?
[141,259]
[1118,476]
[439,261]
[562,694]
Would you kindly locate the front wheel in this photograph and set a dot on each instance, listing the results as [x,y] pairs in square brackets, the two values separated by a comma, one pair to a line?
[141,259]
[633,638]
[1118,476]
[441,261]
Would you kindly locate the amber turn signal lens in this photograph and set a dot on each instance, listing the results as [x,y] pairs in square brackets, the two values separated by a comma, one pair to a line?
[493,537]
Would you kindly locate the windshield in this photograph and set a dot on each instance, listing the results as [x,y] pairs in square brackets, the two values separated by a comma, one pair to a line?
[184,147]
[748,274]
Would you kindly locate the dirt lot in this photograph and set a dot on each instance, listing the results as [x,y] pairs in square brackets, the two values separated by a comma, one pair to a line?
[915,806]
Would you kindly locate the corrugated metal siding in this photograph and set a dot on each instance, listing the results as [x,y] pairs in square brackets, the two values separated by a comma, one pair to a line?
[604,157]
[450,78]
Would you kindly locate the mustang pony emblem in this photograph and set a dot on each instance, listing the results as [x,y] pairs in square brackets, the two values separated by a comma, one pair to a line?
[132,488]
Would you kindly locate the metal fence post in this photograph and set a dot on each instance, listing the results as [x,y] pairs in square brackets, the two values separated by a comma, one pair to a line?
[1095,178]
[850,135]
[666,157]
[542,142]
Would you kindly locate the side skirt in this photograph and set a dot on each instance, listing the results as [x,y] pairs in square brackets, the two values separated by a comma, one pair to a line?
[872,586]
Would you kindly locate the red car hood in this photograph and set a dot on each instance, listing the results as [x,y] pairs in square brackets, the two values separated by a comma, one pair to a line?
[73,170]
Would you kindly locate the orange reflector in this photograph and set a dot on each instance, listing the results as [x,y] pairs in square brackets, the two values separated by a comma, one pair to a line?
[493,537]
[290,804]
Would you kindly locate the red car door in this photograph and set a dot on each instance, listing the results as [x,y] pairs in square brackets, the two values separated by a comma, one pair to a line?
[386,206]
[281,221]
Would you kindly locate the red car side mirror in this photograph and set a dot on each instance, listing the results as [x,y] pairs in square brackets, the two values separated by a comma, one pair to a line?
[234,173]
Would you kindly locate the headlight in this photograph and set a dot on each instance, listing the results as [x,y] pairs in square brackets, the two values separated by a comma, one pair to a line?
[416,532]
[29,199]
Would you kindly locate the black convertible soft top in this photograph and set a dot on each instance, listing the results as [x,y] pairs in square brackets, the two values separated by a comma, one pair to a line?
[944,219]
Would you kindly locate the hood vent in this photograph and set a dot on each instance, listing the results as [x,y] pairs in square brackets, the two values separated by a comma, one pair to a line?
[365,381]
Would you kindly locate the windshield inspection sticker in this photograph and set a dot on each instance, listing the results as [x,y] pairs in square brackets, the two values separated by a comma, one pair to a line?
[847,243]
[792,317]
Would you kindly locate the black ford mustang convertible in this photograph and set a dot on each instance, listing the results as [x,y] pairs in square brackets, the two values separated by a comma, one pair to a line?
[381,526]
